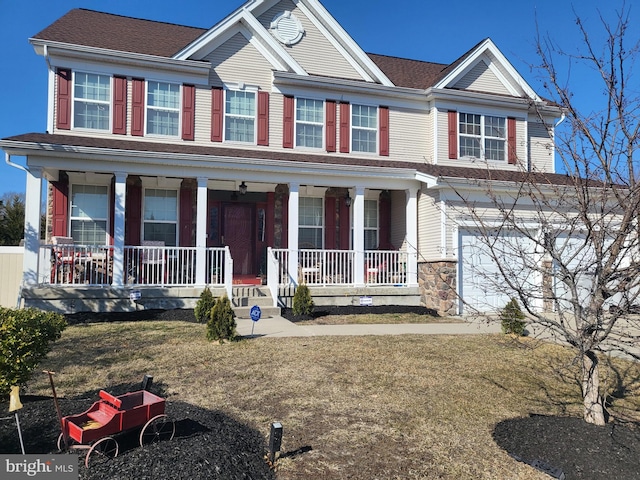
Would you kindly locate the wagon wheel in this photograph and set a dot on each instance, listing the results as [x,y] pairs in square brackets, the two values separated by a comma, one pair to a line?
[70,442]
[103,450]
[158,428]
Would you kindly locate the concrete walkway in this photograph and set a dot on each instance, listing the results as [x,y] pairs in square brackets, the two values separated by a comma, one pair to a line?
[280,327]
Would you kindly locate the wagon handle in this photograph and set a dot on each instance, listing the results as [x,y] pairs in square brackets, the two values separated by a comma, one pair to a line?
[55,401]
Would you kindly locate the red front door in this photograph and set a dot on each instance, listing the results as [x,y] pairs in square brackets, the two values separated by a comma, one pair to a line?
[238,224]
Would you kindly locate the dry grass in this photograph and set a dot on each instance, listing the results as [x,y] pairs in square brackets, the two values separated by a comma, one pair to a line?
[358,407]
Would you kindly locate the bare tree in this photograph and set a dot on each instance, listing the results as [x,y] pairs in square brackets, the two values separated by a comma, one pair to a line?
[566,246]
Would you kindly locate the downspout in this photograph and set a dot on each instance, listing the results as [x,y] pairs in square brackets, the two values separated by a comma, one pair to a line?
[7,159]
[45,54]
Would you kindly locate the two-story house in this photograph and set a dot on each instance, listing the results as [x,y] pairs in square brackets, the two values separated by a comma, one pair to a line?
[268,149]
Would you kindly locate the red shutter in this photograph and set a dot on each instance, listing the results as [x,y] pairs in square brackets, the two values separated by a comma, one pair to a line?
[217,99]
[120,105]
[188,112]
[344,225]
[287,133]
[511,141]
[270,219]
[330,223]
[63,103]
[331,126]
[137,108]
[384,131]
[133,215]
[60,208]
[384,206]
[453,134]
[186,217]
[345,127]
[263,118]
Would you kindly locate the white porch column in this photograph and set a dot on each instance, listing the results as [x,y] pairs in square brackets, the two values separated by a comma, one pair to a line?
[412,236]
[358,236]
[292,239]
[201,233]
[118,228]
[32,226]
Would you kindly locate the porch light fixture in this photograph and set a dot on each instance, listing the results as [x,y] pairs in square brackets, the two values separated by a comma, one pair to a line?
[347,200]
[242,188]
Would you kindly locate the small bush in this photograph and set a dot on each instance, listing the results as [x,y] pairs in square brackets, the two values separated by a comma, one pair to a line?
[302,301]
[512,318]
[206,302]
[25,339]
[222,324]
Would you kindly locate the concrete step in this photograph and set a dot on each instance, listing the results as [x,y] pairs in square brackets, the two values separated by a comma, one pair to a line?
[245,297]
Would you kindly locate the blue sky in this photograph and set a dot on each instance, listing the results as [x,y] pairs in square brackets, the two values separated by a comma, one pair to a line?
[417,29]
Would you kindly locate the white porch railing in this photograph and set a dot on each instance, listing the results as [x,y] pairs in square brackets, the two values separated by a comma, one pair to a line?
[75,265]
[336,267]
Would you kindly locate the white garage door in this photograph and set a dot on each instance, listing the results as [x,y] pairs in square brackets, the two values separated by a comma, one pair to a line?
[481,284]
[579,258]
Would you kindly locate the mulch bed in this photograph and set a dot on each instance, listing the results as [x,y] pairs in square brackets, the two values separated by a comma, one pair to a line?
[207,444]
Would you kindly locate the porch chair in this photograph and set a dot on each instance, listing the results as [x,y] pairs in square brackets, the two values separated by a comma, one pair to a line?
[63,258]
[153,261]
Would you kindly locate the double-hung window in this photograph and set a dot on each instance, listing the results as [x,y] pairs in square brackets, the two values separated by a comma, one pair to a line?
[364,129]
[240,116]
[309,122]
[163,108]
[89,212]
[161,215]
[91,101]
[311,222]
[371,225]
[482,136]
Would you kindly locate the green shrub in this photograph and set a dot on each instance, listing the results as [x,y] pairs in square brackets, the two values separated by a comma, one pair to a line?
[512,318]
[302,301]
[25,339]
[222,324]
[202,310]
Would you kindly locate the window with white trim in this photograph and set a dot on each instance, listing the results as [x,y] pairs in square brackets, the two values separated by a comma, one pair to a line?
[240,116]
[163,108]
[371,225]
[160,219]
[311,222]
[91,101]
[89,213]
[364,128]
[309,123]
[482,136]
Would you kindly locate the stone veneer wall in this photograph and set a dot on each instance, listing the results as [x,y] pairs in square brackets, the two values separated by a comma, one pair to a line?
[437,282]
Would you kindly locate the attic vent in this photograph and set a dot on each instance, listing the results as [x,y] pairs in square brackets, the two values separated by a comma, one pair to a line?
[287,28]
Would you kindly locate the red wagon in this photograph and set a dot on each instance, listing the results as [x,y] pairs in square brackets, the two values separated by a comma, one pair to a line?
[110,415]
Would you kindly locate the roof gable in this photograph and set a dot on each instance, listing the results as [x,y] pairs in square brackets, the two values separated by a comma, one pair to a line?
[254,20]
[484,68]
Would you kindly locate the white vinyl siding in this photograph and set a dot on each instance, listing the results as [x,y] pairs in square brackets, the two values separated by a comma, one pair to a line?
[314,52]
[398,219]
[541,149]
[481,79]
[429,227]
[238,61]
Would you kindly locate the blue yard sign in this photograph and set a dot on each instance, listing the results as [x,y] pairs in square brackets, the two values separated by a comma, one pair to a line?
[255,314]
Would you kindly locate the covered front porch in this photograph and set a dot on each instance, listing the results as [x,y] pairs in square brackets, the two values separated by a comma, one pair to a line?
[226,233]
